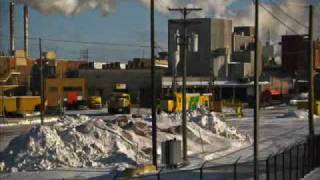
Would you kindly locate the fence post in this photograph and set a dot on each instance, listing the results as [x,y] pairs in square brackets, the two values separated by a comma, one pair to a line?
[309,155]
[275,167]
[317,149]
[283,165]
[303,159]
[297,162]
[310,161]
[201,170]
[235,168]
[267,167]
[159,174]
[290,163]
[313,152]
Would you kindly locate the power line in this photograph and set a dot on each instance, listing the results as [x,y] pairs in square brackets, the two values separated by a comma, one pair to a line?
[287,14]
[296,4]
[275,17]
[88,42]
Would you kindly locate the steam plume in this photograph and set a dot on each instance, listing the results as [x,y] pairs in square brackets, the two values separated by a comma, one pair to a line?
[69,7]
[211,8]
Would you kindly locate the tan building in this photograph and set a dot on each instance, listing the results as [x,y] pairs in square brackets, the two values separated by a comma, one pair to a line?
[58,90]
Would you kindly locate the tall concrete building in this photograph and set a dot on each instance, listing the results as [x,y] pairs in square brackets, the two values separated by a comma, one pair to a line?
[243,47]
[209,47]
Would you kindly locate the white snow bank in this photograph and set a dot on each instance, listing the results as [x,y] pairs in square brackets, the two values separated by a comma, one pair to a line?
[211,121]
[300,114]
[313,175]
[120,142]
[73,142]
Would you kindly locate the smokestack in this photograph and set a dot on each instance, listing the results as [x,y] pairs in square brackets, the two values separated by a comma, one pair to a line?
[26,29]
[12,25]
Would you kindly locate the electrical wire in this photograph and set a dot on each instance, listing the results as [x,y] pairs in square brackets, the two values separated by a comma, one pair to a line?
[86,42]
[275,17]
[296,4]
[287,14]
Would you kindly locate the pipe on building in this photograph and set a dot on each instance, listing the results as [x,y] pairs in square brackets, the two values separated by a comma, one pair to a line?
[12,26]
[26,29]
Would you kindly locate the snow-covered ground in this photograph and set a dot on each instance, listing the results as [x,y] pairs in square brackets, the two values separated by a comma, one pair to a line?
[280,127]
[221,139]
[116,142]
[313,175]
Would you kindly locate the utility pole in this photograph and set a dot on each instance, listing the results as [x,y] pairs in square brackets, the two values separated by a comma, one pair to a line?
[12,26]
[153,87]
[311,77]
[41,83]
[26,29]
[256,96]
[3,105]
[185,12]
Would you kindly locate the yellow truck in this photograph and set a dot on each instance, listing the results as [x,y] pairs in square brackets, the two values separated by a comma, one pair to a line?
[19,105]
[119,101]
[193,101]
[94,102]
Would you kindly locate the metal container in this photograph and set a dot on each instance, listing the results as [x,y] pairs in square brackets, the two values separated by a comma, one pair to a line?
[171,153]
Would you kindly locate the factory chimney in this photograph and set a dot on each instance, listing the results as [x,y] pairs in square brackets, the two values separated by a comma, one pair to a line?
[12,26]
[26,29]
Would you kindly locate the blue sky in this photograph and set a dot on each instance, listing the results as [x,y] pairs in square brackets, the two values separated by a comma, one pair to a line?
[128,24]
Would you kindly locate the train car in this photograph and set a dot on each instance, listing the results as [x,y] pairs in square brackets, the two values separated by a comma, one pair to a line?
[19,105]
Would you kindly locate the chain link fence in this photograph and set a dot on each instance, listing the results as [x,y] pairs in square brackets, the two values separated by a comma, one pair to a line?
[291,163]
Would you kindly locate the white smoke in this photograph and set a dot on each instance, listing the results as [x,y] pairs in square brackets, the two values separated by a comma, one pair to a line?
[69,7]
[211,8]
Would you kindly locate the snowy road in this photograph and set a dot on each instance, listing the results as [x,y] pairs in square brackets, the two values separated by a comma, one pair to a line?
[277,132]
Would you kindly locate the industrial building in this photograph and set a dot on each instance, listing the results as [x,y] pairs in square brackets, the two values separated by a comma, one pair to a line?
[57,91]
[281,83]
[222,89]
[209,46]
[143,63]
[138,81]
[243,49]
[213,49]
[92,65]
[295,55]
[16,70]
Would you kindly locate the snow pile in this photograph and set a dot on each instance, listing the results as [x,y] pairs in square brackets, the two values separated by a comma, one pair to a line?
[300,114]
[211,121]
[119,142]
[206,120]
[72,142]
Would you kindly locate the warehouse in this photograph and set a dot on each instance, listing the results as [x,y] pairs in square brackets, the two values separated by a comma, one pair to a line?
[101,82]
